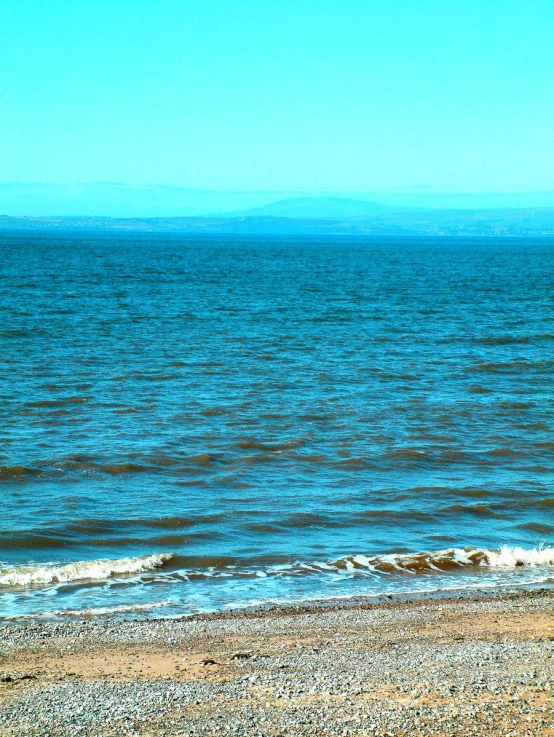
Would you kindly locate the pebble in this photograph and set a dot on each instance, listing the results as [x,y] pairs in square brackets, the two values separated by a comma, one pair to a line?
[363,679]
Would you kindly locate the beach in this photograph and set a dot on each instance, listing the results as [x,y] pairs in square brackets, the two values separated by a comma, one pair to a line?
[276,369]
[290,486]
[475,664]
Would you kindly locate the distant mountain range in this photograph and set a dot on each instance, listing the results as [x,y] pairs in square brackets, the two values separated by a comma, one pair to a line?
[319,216]
[121,200]
[318,208]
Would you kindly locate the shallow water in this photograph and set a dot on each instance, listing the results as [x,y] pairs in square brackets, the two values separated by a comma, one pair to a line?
[272,415]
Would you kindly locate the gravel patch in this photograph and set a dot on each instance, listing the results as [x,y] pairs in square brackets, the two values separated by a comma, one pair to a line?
[430,668]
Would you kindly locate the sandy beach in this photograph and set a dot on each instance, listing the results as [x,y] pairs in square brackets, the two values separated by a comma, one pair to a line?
[478,665]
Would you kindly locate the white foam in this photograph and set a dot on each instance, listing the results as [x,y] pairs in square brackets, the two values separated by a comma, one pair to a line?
[508,557]
[505,557]
[95,611]
[80,570]
[100,611]
[380,565]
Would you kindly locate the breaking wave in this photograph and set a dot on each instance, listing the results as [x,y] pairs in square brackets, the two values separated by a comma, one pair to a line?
[194,569]
[80,571]
[451,559]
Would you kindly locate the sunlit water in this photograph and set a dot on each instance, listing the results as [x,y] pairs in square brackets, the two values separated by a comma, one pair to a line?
[190,425]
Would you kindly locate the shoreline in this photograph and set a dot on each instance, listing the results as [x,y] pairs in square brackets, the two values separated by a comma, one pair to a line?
[471,662]
[278,608]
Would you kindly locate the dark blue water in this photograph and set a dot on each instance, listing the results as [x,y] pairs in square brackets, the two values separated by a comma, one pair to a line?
[193,424]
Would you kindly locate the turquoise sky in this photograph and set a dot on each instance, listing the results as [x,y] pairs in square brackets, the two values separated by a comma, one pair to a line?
[303,95]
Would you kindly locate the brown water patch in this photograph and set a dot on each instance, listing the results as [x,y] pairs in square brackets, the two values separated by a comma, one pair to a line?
[99,526]
[78,462]
[163,459]
[124,468]
[517,405]
[314,458]
[17,472]
[202,562]
[91,526]
[453,456]
[406,453]
[202,459]
[536,426]
[422,562]
[169,540]
[471,493]
[510,367]
[505,453]
[479,389]
[30,541]
[215,411]
[57,402]
[478,510]
[172,523]
[395,515]
[352,464]
[232,482]
[164,522]
[502,340]
[540,528]
[266,529]
[535,469]
[253,444]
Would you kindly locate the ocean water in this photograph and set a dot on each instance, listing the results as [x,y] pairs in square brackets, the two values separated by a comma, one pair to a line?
[194,424]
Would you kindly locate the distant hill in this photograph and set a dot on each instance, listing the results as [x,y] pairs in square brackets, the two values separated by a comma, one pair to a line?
[485,223]
[121,200]
[320,208]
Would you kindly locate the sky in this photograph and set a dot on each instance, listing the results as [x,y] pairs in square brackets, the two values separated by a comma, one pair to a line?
[279,96]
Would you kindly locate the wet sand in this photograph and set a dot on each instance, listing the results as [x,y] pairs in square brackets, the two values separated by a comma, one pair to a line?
[478,665]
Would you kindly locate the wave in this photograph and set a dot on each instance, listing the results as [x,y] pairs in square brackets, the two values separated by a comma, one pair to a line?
[444,560]
[109,610]
[197,568]
[254,444]
[105,611]
[508,557]
[478,510]
[394,563]
[80,570]
[79,464]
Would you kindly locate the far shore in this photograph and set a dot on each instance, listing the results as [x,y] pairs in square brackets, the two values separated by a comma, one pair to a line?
[477,664]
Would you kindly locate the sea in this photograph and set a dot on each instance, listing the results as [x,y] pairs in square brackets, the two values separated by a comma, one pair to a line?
[197,424]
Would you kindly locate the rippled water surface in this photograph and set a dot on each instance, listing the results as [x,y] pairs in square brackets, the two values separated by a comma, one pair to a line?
[191,424]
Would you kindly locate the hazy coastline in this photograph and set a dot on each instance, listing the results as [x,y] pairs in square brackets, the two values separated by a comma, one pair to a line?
[507,222]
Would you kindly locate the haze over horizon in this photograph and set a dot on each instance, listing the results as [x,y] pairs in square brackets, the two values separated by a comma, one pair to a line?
[118,200]
[243,104]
